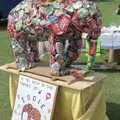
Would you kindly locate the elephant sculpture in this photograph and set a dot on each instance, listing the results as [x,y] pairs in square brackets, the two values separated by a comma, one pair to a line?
[62,23]
[32,113]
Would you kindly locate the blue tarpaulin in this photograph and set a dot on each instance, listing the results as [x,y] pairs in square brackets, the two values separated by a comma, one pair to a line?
[7,5]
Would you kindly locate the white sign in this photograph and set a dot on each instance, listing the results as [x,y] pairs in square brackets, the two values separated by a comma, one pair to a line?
[34,100]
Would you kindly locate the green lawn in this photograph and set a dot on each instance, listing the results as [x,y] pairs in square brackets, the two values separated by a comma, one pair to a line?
[108,11]
[112,82]
[5,57]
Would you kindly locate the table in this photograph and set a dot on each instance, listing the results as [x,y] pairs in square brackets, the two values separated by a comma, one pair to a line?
[83,100]
[114,55]
[110,39]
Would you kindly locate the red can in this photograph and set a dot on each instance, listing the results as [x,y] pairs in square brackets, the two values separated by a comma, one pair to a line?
[64,23]
[55,29]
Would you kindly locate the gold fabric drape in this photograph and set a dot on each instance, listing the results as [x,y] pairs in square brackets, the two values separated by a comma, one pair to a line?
[87,104]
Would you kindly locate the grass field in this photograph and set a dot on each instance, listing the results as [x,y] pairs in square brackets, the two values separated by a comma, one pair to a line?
[112,82]
[108,11]
[5,57]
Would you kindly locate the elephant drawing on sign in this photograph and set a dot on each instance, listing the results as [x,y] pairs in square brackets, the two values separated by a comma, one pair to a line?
[32,113]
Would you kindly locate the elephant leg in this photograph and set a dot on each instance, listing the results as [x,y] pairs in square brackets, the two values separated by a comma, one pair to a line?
[59,48]
[71,57]
[56,58]
[35,51]
[32,53]
[72,53]
[52,40]
[19,50]
[91,54]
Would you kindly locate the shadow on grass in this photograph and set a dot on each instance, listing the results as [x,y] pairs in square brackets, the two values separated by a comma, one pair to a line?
[113,111]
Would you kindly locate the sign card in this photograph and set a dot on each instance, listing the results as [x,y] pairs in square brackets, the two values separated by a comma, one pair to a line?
[35,100]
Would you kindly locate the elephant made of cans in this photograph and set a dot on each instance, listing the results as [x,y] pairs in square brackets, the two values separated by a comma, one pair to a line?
[62,23]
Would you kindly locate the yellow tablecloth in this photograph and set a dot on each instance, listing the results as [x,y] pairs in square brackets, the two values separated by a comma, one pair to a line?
[87,104]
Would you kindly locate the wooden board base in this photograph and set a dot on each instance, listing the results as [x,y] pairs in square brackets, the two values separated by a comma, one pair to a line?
[43,73]
[100,67]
